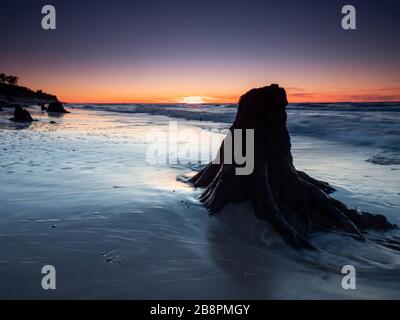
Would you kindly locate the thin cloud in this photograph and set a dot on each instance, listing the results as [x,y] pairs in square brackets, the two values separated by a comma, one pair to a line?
[372,97]
[303,95]
[382,89]
[295,89]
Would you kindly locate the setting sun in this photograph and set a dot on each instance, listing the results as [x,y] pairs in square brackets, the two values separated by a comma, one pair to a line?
[192,100]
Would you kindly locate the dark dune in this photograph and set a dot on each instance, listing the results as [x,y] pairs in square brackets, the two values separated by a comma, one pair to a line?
[15,92]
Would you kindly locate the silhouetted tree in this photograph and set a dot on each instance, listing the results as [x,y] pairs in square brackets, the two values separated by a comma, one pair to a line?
[12,80]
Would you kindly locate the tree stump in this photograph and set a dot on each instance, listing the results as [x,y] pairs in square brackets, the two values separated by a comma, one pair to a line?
[294,203]
[56,107]
[21,115]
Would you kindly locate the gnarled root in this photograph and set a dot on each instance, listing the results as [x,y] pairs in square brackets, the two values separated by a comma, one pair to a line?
[295,207]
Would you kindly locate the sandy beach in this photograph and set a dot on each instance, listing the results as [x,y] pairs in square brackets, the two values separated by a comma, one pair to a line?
[79,194]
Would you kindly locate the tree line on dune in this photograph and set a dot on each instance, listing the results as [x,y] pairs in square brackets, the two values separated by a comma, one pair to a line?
[11,80]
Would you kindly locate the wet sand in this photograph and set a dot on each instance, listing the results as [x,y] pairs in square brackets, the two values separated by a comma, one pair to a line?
[78,194]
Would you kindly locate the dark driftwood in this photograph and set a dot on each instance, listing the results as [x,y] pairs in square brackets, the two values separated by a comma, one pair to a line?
[294,203]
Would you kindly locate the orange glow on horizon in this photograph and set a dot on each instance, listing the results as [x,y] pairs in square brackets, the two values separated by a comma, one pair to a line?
[172,95]
[199,82]
[225,87]
[234,98]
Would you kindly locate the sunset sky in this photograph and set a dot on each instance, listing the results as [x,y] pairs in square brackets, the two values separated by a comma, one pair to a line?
[203,51]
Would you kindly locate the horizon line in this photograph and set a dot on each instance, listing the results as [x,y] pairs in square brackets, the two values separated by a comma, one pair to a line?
[237,102]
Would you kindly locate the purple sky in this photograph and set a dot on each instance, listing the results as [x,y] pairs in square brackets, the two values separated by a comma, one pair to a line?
[164,51]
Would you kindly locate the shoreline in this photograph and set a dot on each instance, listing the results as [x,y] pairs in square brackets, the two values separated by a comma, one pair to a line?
[108,219]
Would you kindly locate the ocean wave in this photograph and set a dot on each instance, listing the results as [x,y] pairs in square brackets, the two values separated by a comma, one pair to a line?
[373,125]
[385,157]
